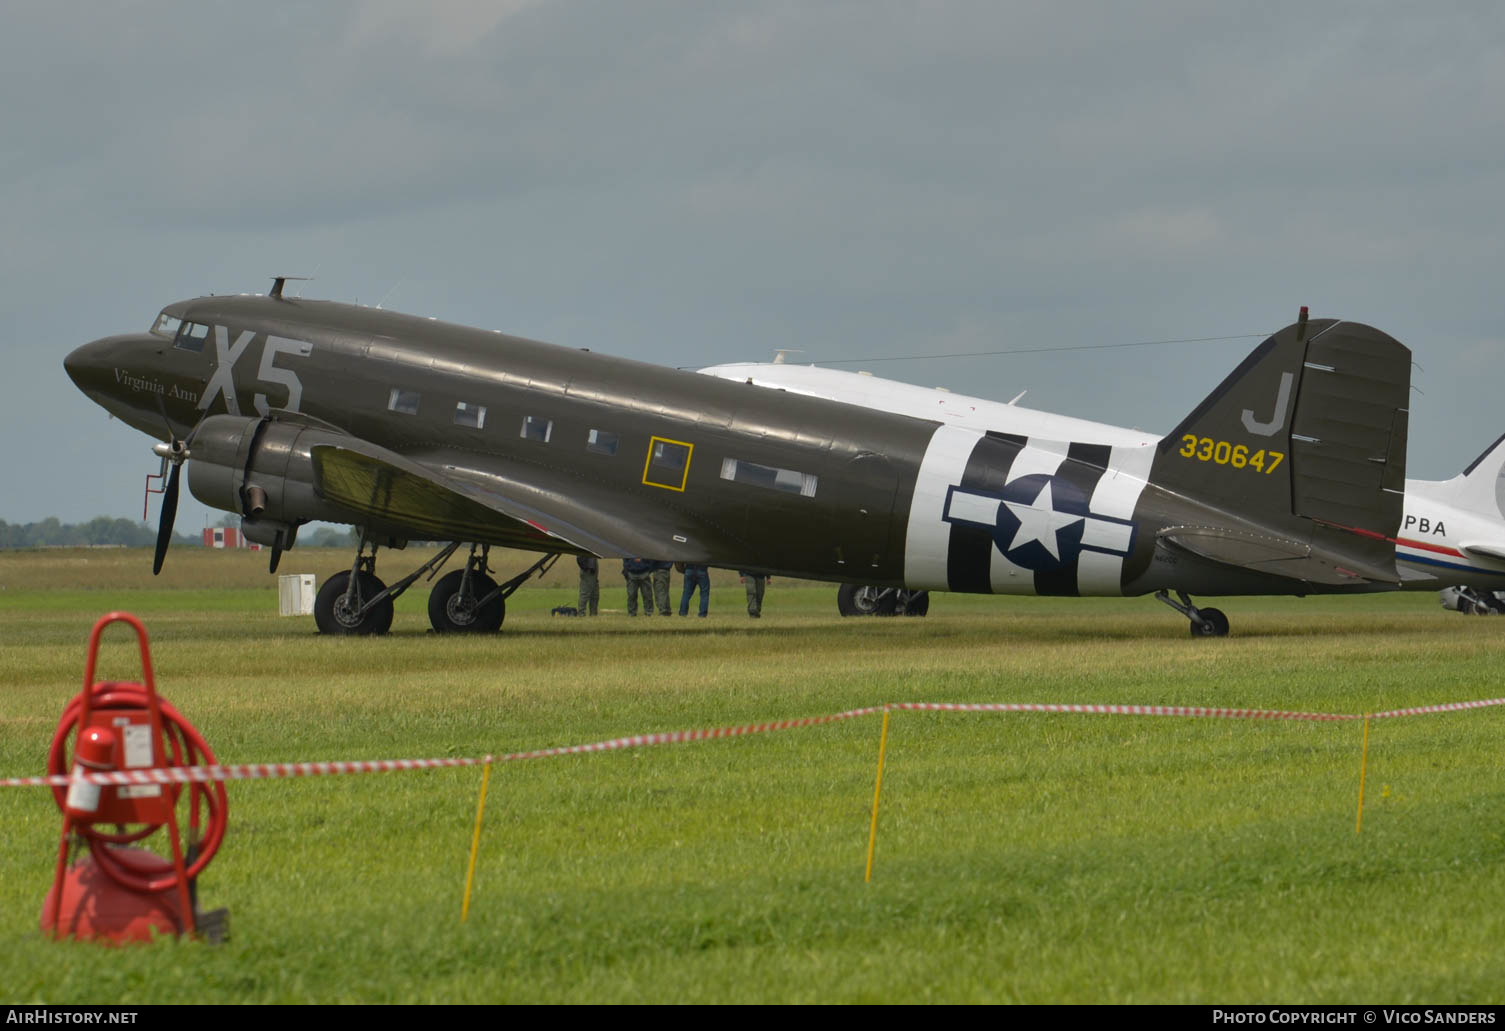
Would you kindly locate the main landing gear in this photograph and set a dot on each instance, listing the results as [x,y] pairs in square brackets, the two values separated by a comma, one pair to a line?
[464,600]
[862,600]
[1204,622]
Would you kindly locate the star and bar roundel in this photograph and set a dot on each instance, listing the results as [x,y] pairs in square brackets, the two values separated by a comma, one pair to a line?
[1040,521]
[1006,516]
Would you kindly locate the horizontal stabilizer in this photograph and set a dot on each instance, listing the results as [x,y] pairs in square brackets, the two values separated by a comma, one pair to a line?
[1483,549]
[1278,556]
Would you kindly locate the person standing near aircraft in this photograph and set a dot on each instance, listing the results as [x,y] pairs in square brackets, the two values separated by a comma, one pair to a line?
[661,586]
[696,577]
[754,583]
[590,584]
[637,572]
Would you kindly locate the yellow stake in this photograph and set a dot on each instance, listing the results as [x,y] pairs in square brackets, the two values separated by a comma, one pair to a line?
[475,843]
[1358,825]
[872,834]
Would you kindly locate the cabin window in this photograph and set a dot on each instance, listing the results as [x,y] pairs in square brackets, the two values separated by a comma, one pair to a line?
[537,429]
[787,480]
[191,336]
[404,401]
[668,463]
[601,442]
[467,414]
[166,326]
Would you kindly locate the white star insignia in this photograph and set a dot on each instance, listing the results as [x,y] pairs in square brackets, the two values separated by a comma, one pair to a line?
[1039,521]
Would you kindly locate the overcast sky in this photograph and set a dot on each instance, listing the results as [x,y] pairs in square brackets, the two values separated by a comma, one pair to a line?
[692,182]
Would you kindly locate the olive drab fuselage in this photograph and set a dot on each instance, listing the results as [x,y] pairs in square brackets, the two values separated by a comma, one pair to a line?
[1280,482]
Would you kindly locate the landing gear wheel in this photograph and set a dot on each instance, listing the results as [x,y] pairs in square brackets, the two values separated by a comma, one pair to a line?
[847,601]
[334,613]
[918,604]
[451,612]
[1214,624]
[862,600]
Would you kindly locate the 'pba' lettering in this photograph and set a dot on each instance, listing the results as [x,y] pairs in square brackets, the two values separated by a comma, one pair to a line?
[1421,524]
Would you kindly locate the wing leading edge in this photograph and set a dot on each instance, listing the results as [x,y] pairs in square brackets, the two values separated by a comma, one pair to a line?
[444,496]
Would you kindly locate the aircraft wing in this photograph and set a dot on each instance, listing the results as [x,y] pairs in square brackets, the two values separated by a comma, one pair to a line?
[447,497]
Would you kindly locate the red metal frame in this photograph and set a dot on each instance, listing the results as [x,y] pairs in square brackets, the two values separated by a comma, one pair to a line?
[159,754]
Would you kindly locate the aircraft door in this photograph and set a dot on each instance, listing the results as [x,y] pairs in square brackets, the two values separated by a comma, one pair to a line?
[862,516]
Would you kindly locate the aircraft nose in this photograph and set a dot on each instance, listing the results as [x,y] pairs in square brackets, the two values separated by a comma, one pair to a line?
[82,363]
[94,364]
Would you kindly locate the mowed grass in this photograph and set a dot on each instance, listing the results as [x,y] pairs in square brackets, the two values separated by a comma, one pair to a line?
[1020,858]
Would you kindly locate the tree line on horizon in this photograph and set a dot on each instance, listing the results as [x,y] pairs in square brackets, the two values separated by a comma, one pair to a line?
[105,532]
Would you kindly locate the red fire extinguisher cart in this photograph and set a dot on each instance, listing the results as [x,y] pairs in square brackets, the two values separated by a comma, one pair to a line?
[116,892]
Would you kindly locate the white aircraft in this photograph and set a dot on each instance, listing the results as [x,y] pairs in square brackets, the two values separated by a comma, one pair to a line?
[1451,537]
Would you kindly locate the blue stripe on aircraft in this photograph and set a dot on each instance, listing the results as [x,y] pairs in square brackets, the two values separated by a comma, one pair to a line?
[1445,565]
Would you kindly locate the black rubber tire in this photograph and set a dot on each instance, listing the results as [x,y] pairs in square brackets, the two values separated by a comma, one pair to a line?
[447,614]
[329,607]
[918,604]
[858,600]
[1215,624]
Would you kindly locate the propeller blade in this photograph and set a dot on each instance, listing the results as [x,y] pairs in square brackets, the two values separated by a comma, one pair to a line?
[276,557]
[169,513]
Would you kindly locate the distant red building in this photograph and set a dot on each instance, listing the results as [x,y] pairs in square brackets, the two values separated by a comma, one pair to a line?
[226,537]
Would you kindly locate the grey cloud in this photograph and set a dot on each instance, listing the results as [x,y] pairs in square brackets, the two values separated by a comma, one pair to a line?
[686,182]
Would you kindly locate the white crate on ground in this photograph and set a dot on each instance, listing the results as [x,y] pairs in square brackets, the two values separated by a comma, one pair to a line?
[295,594]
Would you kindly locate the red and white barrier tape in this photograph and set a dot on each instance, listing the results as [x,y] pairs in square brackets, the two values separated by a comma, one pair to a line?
[1125,710]
[271,771]
[1447,707]
[679,736]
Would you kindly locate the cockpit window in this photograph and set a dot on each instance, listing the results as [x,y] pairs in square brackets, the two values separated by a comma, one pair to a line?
[167,326]
[191,336]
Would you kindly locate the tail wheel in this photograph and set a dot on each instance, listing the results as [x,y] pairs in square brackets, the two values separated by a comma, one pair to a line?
[450,611]
[336,612]
[1214,624]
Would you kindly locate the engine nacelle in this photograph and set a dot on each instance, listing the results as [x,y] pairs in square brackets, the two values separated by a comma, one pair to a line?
[261,469]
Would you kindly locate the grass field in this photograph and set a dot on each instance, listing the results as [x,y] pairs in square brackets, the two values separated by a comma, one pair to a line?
[1021,858]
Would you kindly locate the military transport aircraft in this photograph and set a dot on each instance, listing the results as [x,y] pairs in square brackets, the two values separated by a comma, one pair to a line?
[1286,479]
[1451,532]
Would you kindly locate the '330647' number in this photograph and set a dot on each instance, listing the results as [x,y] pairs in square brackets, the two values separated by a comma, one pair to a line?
[1221,452]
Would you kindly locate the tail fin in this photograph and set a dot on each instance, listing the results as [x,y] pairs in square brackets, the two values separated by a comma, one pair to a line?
[1481,487]
[1311,424]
